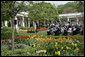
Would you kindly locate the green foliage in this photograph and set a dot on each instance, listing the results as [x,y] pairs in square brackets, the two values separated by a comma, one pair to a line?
[16,52]
[6,33]
[80,6]
[9,9]
[43,11]
[19,46]
[71,7]
[31,28]
[26,28]
[23,28]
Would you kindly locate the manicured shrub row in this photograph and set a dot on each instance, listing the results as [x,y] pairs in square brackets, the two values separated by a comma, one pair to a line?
[26,28]
[6,33]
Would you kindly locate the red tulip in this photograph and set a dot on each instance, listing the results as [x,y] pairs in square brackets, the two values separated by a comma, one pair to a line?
[16,38]
[20,39]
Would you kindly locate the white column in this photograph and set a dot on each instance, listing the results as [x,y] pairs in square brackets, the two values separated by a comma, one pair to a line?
[28,22]
[6,23]
[77,20]
[16,26]
[68,18]
[23,21]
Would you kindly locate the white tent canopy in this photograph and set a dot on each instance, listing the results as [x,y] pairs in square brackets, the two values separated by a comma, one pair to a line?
[72,15]
[23,14]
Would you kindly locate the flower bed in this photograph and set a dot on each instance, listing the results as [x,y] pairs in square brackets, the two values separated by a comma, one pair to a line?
[53,46]
[31,30]
[23,31]
[41,29]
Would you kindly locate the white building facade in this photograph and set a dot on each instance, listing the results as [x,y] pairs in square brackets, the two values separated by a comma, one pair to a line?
[22,16]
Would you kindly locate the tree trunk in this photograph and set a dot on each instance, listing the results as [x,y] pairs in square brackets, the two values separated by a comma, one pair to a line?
[34,25]
[38,23]
[28,22]
[2,24]
[23,22]
[11,23]
[12,34]
[51,22]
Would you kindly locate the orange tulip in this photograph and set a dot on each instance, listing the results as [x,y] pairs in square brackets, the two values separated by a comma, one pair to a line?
[42,42]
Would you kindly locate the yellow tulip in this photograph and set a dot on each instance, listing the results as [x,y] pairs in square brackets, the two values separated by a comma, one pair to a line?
[34,45]
[56,44]
[68,47]
[44,51]
[75,45]
[77,49]
[57,53]
[72,43]
[62,48]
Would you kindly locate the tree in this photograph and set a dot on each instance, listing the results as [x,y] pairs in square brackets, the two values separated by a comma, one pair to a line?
[69,10]
[80,6]
[71,7]
[43,12]
[10,9]
[60,8]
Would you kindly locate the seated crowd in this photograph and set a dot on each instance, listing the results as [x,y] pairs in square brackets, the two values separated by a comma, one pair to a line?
[62,29]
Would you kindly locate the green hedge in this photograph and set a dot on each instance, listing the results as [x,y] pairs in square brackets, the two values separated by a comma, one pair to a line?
[6,33]
[25,28]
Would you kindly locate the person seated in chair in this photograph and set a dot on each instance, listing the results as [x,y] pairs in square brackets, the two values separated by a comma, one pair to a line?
[77,30]
[69,30]
[74,31]
[51,31]
[65,31]
[58,31]
[48,32]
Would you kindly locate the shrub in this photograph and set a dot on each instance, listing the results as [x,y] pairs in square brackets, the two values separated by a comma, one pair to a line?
[23,28]
[30,27]
[6,33]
